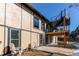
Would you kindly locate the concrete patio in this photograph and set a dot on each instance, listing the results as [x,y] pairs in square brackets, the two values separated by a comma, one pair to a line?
[59,50]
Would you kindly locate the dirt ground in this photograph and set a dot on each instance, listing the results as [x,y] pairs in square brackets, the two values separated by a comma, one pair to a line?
[35,53]
[48,51]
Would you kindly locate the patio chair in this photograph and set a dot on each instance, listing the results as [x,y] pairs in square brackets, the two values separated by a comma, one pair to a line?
[13,49]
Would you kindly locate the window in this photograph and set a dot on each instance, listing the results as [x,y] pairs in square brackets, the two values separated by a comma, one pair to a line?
[14,34]
[40,39]
[46,39]
[41,36]
[36,22]
[47,28]
[15,37]
[43,26]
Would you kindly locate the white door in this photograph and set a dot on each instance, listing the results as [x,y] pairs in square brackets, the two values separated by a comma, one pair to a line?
[15,37]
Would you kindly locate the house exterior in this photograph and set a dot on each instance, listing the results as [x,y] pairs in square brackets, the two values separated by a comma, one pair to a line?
[21,25]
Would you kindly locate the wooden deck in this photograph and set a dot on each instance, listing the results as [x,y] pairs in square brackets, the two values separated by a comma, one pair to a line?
[57,33]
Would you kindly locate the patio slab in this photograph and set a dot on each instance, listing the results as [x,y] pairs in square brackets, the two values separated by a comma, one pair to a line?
[59,50]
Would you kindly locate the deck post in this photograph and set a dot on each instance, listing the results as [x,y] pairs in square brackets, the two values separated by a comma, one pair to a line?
[65,36]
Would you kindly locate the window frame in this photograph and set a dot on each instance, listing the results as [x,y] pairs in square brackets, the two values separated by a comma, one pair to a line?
[19,38]
[40,39]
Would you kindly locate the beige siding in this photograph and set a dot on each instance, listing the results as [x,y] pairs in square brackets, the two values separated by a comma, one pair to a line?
[2,12]
[1,39]
[13,19]
[25,39]
[34,40]
[13,15]
[26,16]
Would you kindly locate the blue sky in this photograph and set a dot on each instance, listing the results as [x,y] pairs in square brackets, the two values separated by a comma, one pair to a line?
[53,9]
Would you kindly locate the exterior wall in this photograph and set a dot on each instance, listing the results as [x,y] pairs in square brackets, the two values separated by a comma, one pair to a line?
[26,18]
[2,17]
[39,31]
[18,16]
[27,23]
[25,39]
[1,39]
[34,40]
[2,13]
[3,36]
[13,15]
